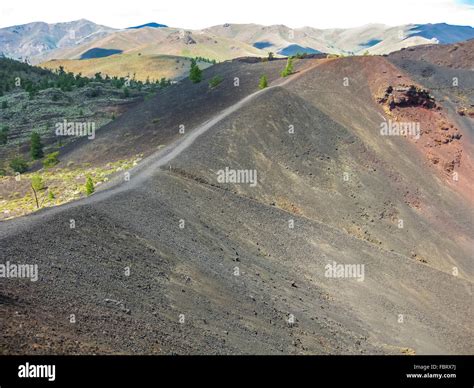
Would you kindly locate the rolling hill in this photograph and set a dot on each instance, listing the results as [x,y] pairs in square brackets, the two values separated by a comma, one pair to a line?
[142,67]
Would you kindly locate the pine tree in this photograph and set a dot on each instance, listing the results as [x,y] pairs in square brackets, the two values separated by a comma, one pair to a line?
[89,186]
[4,135]
[263,82]
[288,68]
[37,185]
[36,148]
[195,74]
[18,164]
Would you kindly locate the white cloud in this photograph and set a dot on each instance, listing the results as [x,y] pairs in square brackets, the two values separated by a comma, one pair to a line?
[205,13]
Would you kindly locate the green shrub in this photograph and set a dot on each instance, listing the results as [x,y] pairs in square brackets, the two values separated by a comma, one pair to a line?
[19,164]
[37,182]
[164,82]
[148,96]
[51,159]
[215,81]
[263,82]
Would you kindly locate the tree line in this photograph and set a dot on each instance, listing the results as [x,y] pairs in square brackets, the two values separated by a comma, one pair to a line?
[32,79]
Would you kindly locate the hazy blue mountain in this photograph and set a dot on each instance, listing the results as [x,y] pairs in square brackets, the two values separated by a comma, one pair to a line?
[444,33]
[151,25]
[99,53]
[294,49]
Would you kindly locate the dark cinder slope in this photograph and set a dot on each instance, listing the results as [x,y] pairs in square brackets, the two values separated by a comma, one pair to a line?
[337,132]
[454,56]
[157,120]
[235,278]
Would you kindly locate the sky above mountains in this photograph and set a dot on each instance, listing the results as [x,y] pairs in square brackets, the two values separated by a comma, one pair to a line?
[205,13]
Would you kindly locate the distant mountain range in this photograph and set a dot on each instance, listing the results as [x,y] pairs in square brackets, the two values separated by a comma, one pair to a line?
[31,41]
[160,41]
[374,38]
[82,39]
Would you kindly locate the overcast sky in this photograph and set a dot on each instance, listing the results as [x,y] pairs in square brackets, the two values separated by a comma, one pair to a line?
[197,14]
